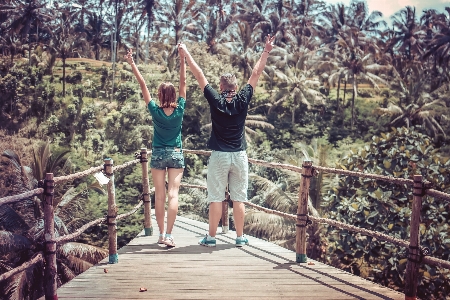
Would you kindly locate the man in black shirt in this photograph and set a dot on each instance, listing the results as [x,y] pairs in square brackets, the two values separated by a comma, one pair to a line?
[228,163]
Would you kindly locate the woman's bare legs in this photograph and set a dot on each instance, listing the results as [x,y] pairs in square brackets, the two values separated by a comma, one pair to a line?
[159,182]
[175,176]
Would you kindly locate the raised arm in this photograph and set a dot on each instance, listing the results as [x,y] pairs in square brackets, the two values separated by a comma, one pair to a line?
[260,65]
[182,87]
[195,69]
[140,79]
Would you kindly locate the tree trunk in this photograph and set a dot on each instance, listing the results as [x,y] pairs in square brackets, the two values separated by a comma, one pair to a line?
[64,75]
[345,90]
[137,49]
[353,101]
[338,88]
[293,115]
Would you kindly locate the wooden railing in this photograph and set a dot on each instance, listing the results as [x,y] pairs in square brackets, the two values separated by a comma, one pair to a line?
[416,254]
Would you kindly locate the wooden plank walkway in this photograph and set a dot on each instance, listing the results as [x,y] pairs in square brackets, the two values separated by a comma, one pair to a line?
[260,270]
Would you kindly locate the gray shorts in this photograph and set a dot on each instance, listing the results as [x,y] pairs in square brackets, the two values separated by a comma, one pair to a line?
[163,158]
[227,168]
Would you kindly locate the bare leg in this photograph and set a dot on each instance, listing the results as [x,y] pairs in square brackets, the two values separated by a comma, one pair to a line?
[159,181]
[215,214]
[239,216]
[175,176]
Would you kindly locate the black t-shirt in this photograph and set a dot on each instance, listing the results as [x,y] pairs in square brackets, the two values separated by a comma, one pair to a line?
[228,119]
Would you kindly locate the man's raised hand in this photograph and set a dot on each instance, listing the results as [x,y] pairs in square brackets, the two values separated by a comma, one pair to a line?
[129,56]
[269,43]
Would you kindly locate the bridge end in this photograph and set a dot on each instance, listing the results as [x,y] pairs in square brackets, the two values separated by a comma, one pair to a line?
[301,258]
[148,231]
[114,258]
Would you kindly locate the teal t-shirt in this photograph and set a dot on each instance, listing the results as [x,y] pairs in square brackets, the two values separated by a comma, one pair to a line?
[167,129]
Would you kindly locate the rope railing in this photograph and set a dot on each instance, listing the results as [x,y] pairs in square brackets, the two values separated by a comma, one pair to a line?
[392,179]
[438,194]
[126,165]
[15,198]
[36,258]
[61,179]
[78,175]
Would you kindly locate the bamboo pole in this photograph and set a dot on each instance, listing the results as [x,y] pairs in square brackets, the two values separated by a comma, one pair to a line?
[112,213]
[414,252]
[148,229]
[225,225]
[50,272]
[302,212]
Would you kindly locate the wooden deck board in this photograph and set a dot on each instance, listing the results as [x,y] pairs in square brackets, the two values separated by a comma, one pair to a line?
[261,270]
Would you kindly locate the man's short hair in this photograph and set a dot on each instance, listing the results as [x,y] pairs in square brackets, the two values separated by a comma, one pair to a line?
[228,82]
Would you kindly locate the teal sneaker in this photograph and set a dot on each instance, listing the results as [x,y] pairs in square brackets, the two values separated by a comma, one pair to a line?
[241,241]
[204,242]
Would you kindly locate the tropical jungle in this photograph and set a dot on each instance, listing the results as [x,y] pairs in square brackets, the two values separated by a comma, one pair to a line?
[342,88]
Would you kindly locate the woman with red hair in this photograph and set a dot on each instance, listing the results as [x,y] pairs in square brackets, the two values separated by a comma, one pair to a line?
[167,153]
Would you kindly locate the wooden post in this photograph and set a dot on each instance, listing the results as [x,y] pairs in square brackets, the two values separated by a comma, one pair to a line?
[112,213]
[50,272]
[302,211]
[414,252]
[148,229]
[225,225]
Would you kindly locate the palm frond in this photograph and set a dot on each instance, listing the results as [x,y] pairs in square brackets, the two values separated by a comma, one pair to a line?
[11,221]
[273,196]
[259,124]
[85,252]
[268,226]
[10,242]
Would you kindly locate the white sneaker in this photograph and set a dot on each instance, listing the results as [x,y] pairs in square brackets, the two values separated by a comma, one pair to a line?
[168,240]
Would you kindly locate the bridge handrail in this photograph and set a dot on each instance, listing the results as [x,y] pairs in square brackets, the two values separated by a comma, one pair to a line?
[61,179]
[15,198]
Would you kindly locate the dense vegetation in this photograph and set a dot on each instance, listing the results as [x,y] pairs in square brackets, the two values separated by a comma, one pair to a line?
[340,87]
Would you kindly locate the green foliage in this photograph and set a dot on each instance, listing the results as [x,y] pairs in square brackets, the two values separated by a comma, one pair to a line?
[386,207]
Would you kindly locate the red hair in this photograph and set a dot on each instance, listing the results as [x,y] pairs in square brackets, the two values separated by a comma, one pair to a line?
[167,95]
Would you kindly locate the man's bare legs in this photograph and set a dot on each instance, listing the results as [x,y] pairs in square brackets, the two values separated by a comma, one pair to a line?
[215,214]
[239,216]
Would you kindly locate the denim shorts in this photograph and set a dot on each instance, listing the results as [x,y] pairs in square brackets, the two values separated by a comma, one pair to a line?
[227,168]
[168,157]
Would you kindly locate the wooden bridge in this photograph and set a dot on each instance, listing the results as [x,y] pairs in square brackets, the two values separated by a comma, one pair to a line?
[260,270]
[143,269]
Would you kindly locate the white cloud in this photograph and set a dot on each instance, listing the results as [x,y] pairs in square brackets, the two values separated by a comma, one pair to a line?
[390,7]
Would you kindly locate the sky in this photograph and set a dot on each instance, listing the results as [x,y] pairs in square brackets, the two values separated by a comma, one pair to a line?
[390,7]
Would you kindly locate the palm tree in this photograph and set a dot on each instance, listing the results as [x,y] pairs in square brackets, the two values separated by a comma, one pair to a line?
[416,105]
[64,41]
[23,228]
[221,15]
[241,44]
[439,46]
[95,34]
[298,83]
[182,19]
[356,55]
[24,14]
[409,36]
